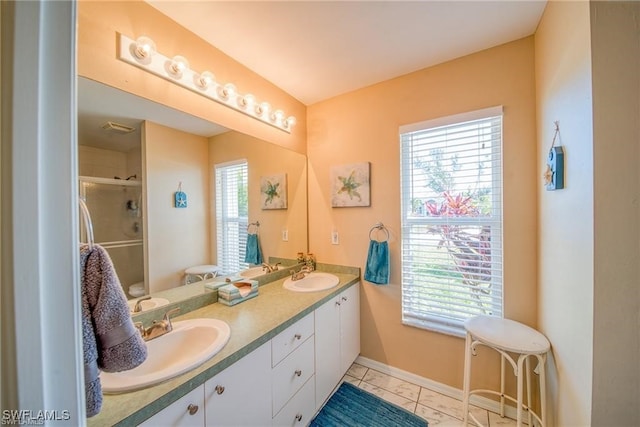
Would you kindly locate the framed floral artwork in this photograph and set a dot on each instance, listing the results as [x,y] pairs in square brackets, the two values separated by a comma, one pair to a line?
[350,185]
[273,191]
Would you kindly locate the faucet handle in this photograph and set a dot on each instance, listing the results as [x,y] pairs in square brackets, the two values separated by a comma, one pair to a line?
[140,327]
[138,307]
[167,317]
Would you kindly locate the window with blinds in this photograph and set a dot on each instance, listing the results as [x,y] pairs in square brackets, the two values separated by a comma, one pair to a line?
[452,220]
[232,209]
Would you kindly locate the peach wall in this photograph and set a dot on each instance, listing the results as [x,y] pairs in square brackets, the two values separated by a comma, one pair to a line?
[363,126]
[265,159]
[98,23]
[566,238]
[177,238]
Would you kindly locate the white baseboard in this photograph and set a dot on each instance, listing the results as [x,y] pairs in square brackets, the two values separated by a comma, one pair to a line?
[456,393]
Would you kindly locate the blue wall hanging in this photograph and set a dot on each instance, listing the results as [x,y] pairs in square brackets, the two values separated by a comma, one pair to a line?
[180,198]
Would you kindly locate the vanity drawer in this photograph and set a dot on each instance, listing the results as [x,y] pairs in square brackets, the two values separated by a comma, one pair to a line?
[299,410]
[291,374]
[291,338]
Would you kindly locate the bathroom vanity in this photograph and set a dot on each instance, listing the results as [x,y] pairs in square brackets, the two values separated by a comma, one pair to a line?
[287,351]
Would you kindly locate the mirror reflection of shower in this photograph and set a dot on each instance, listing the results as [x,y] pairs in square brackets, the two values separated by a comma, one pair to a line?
[110,169]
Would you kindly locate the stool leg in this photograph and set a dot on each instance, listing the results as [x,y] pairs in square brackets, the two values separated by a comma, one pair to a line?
[502,386]
[542,359]
[466,382]
[528,372]
[521,359]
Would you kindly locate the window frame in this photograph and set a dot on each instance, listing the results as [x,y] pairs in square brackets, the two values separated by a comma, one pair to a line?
[431,321]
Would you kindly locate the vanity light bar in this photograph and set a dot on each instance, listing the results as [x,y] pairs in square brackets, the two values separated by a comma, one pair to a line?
[143,54]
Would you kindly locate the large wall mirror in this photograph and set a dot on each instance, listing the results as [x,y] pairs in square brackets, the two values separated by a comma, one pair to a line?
[134,155]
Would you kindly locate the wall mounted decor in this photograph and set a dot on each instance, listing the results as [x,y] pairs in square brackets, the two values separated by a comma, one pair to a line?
[350,185]
[273,191]
[180,198]
[554,172]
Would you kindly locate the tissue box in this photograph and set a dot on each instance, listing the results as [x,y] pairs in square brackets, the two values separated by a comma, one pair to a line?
[235,293]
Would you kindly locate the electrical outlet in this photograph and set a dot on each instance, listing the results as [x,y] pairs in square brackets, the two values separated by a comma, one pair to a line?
[285,235]
[335,239]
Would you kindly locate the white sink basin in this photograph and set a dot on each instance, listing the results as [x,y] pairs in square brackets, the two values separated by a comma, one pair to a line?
[191,343]
[314,281]
[148,304]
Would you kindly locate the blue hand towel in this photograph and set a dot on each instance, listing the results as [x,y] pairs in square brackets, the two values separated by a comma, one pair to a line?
[377,268]
[253,255]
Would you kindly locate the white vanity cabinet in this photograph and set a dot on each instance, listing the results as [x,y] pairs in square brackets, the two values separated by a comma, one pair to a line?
[186,411]
[240,395]
[337,340]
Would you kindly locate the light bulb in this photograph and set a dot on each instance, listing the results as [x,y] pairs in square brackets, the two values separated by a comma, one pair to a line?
[204,80]
[144,47]
[290,122]
[263,109]
[277,116]
[178,65]
[247,101]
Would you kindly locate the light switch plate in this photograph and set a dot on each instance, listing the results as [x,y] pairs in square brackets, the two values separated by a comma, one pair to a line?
[285,235]
[335,238]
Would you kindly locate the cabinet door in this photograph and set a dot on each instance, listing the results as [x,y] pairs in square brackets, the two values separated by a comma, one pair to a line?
[241,394]
[327,336]
[349,327]
[186,411]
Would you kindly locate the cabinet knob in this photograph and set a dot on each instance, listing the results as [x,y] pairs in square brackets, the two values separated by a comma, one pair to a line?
[298,373]
[299,417]
[297,336]
[219,389]
[192,409]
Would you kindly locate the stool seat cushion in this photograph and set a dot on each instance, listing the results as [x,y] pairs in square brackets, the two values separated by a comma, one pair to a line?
[507,335]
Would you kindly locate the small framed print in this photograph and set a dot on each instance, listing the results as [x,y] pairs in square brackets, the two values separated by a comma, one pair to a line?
[273,191]
[350,185]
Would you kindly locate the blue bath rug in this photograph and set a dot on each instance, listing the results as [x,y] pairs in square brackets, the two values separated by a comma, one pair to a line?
[351,406]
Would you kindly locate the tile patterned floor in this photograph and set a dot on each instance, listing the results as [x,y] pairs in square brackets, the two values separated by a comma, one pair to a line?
[434,407]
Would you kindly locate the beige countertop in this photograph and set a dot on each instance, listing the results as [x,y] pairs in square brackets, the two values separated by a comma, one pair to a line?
[252,322]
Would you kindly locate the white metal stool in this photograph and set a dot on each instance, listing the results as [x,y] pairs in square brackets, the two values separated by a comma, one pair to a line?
[507,336]
[201,272]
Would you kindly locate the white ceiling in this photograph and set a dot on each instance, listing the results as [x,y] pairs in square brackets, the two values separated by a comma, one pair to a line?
[315,50]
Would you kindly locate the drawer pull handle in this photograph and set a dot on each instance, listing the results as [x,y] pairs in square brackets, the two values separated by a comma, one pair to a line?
[337,302]
[219,389]
[299,417]
[344,298]
[297,336]
[298,373]
[192,409]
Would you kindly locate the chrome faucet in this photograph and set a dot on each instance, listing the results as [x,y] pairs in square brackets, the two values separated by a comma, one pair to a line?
[301,274]
[270,268]
[138,307]
[159,327]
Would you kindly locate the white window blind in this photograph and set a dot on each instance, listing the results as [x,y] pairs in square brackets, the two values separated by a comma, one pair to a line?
[231,215]
[452,220]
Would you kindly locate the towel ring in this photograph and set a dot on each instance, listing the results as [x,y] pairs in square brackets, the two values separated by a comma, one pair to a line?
[86,219]
[379,226]
[256,226]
